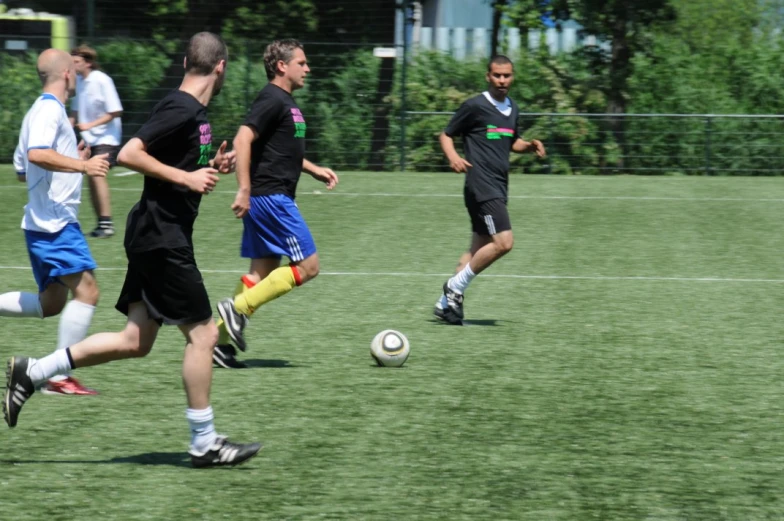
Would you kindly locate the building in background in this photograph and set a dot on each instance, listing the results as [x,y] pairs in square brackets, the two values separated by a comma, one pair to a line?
[464,29]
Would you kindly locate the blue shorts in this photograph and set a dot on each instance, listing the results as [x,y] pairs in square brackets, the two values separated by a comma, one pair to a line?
[53,255]
[274,227]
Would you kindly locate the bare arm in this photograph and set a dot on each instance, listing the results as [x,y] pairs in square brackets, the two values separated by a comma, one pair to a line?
[457,163]
[134,156]
[49,159]
[106,118]
[242,144]
[325,175]
[534,146]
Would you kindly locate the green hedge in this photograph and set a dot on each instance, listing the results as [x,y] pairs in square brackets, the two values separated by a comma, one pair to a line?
[340,104]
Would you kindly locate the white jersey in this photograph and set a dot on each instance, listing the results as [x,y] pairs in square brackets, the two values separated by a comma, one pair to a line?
[96,96]
[53,197]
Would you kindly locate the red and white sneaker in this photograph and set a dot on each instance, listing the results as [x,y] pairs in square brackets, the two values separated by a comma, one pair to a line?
[69,385]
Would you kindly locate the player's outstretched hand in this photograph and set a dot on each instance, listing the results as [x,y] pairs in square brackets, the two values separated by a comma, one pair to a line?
[241,204]
[538,148]
[224,161]
[97,166]
[84,150]
[459,165]
[327,176]
[202,181]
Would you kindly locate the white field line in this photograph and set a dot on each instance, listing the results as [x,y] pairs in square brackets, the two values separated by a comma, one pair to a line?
[535,197]
[458,194]
[486,276]
[125,174]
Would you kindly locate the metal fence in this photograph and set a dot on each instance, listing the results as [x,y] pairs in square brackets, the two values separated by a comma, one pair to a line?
[648,144]
[359,117]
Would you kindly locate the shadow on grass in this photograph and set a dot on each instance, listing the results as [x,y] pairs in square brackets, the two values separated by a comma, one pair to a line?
[275,364]
[482,322]
[174,459]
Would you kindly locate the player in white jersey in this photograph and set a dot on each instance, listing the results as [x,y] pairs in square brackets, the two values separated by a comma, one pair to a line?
[96,113]
[48,159]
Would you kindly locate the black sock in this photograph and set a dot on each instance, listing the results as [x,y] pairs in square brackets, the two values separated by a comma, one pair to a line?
[105,222]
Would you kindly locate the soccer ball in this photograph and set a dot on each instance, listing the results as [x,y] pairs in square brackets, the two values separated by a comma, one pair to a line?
[390,348]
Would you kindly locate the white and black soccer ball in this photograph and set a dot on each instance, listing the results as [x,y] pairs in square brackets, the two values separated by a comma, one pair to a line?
[390,348]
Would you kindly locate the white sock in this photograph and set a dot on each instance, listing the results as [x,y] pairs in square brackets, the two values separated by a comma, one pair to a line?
[20,304]
[43,369]
[202,429]
[74,323]
[460,282]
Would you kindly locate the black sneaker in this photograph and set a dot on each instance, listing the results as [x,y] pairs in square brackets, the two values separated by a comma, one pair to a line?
[18,388]
[224,453]
[102,232]
[453,312]
[225,355]
[235,322]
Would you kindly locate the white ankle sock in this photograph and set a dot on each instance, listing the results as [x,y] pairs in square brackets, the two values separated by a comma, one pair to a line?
[20,304]
[44,368]
[461,281]
[203,433]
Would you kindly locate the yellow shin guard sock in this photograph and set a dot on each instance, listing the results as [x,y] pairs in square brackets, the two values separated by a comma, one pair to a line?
[277,283]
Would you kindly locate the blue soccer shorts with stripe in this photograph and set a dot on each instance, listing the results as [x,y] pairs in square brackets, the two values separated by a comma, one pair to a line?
[273,227]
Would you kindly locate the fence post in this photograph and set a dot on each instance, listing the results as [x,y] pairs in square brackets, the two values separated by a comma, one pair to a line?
[403,74]
[550,126]
[91,21]
[708,145]
[247,73]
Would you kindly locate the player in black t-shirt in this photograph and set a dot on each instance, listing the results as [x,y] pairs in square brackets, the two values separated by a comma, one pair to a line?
[163,284]
[270,148]
[488,125]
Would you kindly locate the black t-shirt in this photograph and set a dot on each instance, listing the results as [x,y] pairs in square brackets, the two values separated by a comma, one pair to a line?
[488,136]
[179,135]
[276,156]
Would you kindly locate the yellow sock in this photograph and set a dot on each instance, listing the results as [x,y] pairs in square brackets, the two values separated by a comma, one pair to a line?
[242,286]
[277,283]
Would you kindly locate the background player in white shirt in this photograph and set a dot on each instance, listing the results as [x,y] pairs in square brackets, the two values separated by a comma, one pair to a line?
[96,112]
[53,165]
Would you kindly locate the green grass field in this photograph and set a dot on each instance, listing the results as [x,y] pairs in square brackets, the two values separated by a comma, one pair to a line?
[623,362]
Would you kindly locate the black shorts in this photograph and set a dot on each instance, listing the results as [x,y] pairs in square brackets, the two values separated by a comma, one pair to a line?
[169,283]
[112,150]
[488,217]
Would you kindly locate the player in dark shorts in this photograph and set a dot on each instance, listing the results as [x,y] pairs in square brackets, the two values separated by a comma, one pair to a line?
[487,124]
[270,148]
[162,284]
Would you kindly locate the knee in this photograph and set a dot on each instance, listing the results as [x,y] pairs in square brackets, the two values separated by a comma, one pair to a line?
[309,268]
[505,245]
[211,336]
[51,309]
[88,292]
[136,345]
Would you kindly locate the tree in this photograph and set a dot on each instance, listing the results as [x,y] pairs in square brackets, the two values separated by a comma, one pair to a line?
[622,25]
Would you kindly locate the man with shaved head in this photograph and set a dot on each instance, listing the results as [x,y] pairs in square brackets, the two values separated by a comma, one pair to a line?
[162,284]
[48,159]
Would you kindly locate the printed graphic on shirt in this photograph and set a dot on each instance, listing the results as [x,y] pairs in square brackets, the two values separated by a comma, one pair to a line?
[299,123]
[494,132]
[205,144]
